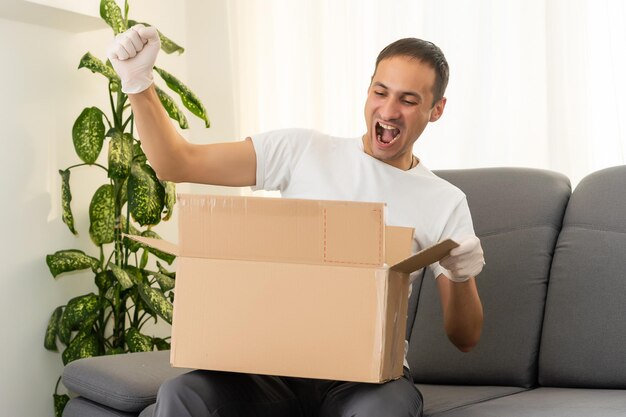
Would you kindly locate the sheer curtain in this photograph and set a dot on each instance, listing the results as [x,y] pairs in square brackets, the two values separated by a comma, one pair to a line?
[535,83]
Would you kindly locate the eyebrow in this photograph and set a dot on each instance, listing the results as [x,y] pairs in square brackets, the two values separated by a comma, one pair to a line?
[404,93]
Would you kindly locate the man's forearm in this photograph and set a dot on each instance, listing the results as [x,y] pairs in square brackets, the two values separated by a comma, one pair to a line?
[462,312]
[159,139]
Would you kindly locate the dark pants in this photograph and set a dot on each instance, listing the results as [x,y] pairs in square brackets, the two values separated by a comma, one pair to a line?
[224,394]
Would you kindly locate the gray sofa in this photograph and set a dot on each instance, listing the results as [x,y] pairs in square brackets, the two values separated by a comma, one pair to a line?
[554,295]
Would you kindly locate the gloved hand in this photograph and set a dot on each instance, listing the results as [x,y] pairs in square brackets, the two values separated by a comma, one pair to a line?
[464,261]
[133,54]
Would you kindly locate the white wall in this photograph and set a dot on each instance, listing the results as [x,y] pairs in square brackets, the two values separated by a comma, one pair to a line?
[42,94]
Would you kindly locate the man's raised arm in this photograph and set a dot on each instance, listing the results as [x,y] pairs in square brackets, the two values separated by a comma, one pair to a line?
[133,54]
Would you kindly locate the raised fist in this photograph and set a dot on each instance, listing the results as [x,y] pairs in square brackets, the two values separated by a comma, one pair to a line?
[133,54]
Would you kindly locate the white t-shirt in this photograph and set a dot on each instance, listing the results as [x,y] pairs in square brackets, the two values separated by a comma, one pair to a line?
[308,164]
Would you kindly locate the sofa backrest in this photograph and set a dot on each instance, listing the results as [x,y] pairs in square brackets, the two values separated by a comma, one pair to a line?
[517,214]
[584,334]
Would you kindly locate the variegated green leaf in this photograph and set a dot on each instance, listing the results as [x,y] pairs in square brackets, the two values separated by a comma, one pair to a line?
[170,199]
[138,342]
[138,155]
[124,194]
[167,45]
[70,260]
[66,199]
[50,341]
[102,215]
[65,334]
[113,295]
[189,99]
[146,195]
[136,274]
[97,66]
[132,245]
[156,301]
[171,274]
[128,228]
[114,351]
[145,257]
[88,134]
[80,310]
[161,344]
[172,109]
[120,154]
[82,346]
[104,280]
[60,401]
[167,257]
[122,276]
[165,283]
[112,15]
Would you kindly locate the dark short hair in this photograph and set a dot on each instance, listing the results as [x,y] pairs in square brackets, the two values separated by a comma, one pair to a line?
[423,51]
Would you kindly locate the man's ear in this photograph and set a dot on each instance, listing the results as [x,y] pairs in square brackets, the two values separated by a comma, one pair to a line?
[438,110]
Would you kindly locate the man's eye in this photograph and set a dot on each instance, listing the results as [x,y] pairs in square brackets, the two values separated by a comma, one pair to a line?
[409,103]
[379,93]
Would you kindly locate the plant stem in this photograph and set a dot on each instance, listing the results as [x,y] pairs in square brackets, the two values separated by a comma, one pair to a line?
[76,166]
[130,319]
[117,233]
[83,164]
[110,256]
[135,317]
[56,387]
[119,114]
[130,119]
[107,119]
[119,318]
[106,319]
[126,250]
[112,104]
[104,168]
[141,324]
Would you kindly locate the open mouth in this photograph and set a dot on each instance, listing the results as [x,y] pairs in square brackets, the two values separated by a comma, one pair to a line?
[386,134]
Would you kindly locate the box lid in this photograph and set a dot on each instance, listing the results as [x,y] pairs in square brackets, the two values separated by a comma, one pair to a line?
[341,233]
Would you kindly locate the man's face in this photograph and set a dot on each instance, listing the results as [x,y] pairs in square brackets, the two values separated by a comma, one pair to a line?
[399,106]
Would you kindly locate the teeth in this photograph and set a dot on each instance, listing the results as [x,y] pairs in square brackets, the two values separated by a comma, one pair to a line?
[380,139]
[388,127]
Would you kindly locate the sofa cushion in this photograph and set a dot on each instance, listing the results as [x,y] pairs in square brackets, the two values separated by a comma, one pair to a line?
[584,334]
[548,402]
[81,407]
[441,398]
[148,411]
[517,213]
[126,382]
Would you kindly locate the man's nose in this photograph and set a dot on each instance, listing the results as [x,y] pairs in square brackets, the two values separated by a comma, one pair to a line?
[390,110]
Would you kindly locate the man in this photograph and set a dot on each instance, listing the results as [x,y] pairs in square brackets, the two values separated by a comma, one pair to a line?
[405,94]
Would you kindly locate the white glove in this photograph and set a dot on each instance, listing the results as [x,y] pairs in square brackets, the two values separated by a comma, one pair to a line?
[464,261]
[133,54]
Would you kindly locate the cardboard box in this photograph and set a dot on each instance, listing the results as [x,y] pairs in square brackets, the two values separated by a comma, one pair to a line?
[288,287]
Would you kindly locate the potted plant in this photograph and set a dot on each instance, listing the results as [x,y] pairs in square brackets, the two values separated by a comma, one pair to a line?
[131,201]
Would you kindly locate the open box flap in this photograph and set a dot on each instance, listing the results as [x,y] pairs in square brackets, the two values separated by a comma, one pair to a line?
[426,256]
[160,244]
[281,230]
[398,244]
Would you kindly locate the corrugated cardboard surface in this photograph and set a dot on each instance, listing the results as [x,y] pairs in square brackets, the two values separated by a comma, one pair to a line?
[291,287]
[279,319]
[281,230]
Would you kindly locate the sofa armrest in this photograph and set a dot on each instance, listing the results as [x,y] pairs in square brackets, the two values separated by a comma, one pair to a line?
[127,382]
